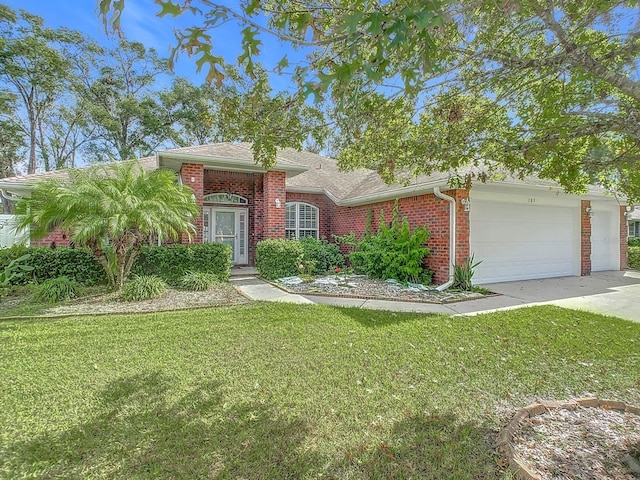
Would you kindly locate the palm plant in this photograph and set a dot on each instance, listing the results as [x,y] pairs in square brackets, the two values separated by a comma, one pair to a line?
[114,210]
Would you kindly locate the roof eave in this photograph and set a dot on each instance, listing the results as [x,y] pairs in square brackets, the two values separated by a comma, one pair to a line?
[229,164]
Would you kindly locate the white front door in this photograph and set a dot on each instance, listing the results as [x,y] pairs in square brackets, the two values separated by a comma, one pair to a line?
[228,226]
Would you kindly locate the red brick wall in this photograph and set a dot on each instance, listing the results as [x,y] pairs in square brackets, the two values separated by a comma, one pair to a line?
[462,225]
[585,238]
[420,210]
[624,231]
[273,214]
[60,238]
[193,175]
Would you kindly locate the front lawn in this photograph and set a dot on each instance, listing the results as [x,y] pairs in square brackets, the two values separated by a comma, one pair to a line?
[277,391]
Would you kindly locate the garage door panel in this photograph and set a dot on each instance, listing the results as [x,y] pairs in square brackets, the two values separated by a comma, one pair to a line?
[518,242]
[605,244]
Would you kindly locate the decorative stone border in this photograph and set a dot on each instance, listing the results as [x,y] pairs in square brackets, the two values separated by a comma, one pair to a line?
[373,297]
[506,435]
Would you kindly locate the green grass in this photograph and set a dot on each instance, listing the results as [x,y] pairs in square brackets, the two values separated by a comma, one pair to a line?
[278,391]
[23,301]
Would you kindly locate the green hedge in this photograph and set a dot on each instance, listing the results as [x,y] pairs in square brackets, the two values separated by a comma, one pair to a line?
[284,258]
[321,256]
[172,262]
[278,258]
[634,257]
[77,264]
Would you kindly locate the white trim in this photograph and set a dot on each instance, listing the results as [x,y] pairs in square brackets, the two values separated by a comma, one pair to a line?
[243,200]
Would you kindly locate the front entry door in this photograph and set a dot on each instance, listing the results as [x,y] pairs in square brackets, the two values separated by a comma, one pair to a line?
[228,226]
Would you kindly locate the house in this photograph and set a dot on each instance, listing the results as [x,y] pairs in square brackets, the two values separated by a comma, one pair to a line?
[520,229]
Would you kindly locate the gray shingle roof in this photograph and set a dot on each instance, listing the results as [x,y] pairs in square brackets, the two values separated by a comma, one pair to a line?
[147,163]
[312,173]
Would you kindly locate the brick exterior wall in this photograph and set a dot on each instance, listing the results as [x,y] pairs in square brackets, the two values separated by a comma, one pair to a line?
[585,238]
[193,175]
[58,237]
[463,226]
[420,210]
[624,231]
[273,212]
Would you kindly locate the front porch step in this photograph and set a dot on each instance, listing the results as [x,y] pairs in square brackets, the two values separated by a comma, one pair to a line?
[243,272]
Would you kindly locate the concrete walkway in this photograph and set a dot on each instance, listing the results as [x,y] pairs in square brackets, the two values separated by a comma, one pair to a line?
[610,293]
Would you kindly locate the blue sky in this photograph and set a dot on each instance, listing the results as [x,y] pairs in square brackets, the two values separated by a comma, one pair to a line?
[140,23]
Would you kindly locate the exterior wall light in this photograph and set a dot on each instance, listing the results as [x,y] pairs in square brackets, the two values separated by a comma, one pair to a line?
[589,211]
[466,203]
[278,203]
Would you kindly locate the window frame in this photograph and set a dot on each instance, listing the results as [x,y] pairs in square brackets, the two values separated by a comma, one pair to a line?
[294,233]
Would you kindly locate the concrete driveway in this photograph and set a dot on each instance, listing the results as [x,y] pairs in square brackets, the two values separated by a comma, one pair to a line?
[610,293]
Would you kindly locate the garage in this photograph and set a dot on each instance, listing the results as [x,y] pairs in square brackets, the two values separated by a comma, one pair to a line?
[605,244]
[524,238]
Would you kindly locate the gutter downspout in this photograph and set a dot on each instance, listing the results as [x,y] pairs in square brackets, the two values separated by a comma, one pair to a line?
[452,236]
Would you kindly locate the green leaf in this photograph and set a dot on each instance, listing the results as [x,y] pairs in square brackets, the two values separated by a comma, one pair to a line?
[169,8]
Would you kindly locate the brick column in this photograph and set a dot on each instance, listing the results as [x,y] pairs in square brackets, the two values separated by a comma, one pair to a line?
[193,176]
[585,238]
[462,226]
[624,231]
[274,199]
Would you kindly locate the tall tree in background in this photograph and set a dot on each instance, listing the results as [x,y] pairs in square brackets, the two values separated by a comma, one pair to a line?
[548,87]
[35,66]
[12,142]
[195,112]
[122,104]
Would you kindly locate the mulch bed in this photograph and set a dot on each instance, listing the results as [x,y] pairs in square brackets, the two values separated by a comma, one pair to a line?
[223,294]
[579,443]
[361,286]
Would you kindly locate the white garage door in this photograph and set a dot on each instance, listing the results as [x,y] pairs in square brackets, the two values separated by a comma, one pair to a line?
[605,240]
[520,242]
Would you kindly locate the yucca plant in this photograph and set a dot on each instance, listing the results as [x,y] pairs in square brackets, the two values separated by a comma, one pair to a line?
[143,287]
[198,281]
[463,274]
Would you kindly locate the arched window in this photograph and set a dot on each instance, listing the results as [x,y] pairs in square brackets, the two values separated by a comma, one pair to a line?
[224,197]
[301,220]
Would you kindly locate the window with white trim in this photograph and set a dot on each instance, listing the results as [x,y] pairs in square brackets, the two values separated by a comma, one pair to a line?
[225,197]
[301,220]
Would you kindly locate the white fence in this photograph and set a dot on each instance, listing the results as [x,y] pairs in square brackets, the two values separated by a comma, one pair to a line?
[8,234]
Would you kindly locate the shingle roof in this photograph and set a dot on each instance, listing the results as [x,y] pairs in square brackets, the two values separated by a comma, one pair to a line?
[322,174]
[147,163]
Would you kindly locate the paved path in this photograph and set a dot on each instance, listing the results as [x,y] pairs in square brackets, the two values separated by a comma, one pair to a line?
[609,293]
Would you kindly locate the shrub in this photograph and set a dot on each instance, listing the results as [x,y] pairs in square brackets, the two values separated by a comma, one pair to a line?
[634,257]
[463,274]
[634,242]
[321,255]
[14,271]
[57,289]
[143,287]
[277,258]
[198,281]
[172,262]
[77,264]
[393,252]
